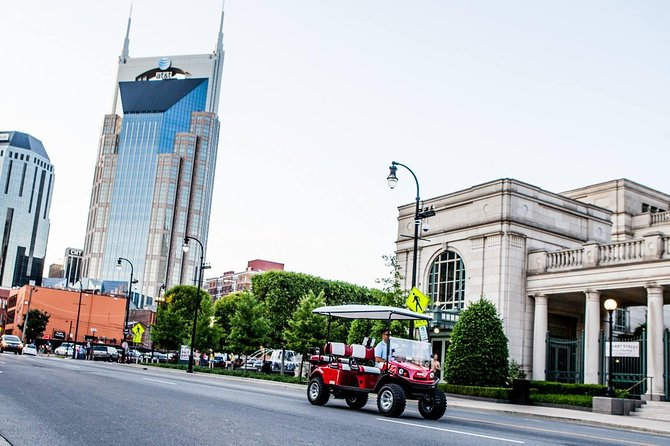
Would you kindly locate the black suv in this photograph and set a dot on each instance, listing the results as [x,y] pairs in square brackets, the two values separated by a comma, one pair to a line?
[11,343]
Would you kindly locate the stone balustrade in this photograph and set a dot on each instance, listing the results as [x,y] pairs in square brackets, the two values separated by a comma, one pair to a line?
[660,218]
[653,246]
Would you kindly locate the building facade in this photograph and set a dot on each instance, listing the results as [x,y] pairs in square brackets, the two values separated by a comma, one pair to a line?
[26,186]
[99,316]
[72,265]
[548,262]
[154,173]
[230,281]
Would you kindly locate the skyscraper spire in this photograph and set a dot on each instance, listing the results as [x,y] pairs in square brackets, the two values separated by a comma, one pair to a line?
[126,42]
[219,43]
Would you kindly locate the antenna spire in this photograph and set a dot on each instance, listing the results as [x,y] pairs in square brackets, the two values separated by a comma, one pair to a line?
[126,42]
[219,42]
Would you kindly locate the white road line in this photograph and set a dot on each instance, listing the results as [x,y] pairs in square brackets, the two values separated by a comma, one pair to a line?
[450,430]
[159,381]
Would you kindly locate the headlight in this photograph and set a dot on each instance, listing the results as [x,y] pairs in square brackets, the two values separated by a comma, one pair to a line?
[402,372]
[432,375]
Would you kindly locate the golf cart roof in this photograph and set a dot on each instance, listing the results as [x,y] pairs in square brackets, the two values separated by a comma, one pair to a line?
[370,312]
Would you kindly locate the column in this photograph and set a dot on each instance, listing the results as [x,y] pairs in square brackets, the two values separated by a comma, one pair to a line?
[655,342]
[591,334]
[540,338]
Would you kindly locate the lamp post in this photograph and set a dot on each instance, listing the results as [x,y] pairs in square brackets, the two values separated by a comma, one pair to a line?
[25,318]
[610,306]
[130,287]
[418,216]
[186,247]
[76,327]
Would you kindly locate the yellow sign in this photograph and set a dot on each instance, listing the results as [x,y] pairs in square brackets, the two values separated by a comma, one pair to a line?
[421,323]
[138,330]
[417,301]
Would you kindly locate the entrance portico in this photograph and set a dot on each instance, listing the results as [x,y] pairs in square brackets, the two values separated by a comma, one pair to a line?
[580,292]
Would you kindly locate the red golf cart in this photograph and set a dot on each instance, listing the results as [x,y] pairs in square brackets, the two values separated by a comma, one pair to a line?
[350,372]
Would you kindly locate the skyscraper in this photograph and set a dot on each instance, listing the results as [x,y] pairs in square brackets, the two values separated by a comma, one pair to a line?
[154,174]
[26,184]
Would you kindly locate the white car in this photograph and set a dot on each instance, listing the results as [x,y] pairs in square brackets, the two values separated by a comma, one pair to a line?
[65,349]
[30,349]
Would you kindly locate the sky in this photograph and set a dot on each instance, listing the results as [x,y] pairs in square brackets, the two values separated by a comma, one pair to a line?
[318,98]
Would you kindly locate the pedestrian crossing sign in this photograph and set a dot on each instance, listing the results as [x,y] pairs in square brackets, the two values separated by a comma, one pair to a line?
[417,301]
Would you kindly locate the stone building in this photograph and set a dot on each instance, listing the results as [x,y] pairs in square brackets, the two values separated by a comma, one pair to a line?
[548,261]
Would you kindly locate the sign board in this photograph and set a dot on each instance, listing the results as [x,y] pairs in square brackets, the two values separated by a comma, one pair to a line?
[184,353]
[417,301]
[623,349]
[421,323]
[423,333]
[138,330]
[58,334]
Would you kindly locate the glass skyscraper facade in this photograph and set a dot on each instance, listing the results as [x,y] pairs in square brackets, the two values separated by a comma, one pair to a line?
[154,174]
[26,185]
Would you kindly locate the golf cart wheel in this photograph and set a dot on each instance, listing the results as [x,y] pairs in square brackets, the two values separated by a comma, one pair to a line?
[432,407]
[317,393]
[391,400]
[357,400]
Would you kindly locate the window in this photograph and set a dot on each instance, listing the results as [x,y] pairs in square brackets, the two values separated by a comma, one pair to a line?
[446,284]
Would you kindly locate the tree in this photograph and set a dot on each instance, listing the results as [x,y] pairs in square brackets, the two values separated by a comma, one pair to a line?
[37,323]
[208,332]
[170,330]
[477,354]
[249,328]
[307,329]
[224,309]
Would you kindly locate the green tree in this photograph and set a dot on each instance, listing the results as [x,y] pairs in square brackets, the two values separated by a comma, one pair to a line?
[170,329]
[282,290]
[37,323]
[307,329]
[208,332]
[249,328]
[224,309]
[478,354]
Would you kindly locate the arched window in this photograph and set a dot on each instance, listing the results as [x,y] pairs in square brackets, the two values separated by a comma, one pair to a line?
[446,284]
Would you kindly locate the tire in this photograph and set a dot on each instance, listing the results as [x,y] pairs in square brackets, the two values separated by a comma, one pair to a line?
[391,400]
[317,392]
[433,406]
[357,401]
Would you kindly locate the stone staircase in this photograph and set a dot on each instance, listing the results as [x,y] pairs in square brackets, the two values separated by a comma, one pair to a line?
[654,410]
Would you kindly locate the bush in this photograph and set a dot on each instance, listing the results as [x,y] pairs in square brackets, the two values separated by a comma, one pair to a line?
[498,393]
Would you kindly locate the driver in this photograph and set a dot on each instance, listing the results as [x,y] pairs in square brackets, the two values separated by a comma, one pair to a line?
[382,348]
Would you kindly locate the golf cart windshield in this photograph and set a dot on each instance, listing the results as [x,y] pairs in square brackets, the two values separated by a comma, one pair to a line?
[416,352]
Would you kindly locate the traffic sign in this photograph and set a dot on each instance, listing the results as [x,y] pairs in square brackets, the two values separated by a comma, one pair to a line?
[417,301]
[138,330]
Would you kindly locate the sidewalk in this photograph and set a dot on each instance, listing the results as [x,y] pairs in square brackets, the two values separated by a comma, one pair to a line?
[658,420]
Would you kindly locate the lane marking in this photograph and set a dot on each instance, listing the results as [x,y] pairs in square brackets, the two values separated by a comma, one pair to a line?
[450,430]
[572,434]
[159,381]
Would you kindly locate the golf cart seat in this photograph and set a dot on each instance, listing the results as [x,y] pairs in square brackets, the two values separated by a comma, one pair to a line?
[365,355]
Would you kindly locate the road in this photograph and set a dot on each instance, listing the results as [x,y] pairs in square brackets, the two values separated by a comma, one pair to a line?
[55,401]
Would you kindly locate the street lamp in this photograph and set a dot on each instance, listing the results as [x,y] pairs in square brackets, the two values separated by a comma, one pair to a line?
[610,306]
[130,286]
[76,328]
[186,247]
[418,216]
[25,318]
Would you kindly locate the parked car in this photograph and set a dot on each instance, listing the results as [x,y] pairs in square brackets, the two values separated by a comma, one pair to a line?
[30,349]
[65,349]
[11,343]
[105,353]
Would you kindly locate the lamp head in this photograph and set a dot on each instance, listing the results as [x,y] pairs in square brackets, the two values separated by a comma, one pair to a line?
[610,305]
[392,179]
[185,246]
[118,264]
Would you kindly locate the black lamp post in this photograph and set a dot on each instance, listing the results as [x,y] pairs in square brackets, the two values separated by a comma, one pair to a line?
[610,306]
[130,287]
[186,247]
[418,216]
[76,327]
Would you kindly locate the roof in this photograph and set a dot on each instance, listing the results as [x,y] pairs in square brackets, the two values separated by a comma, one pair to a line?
[155,96]
[378,312]
[25,141]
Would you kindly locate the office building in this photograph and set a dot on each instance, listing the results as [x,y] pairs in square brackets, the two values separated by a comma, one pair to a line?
[26,185]
[154,173]
[548,262]
[231,281]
